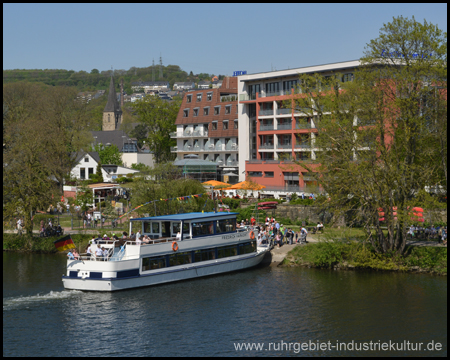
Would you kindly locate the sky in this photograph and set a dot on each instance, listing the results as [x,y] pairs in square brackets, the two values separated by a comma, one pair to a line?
[203,38]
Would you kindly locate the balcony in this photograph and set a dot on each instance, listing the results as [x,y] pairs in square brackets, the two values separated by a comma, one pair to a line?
[284,146]
[303,146]
[173,149]
[232,163]
[232,147]
[300,126]
[219,147]
[284,126]
[266,127]
[228,98]
[247,97]
[266,146]
[284,111]
[173,134]
[199,148]
[267,112]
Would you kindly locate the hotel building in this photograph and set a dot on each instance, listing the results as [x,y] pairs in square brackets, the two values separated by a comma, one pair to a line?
[207,126]
[272,136]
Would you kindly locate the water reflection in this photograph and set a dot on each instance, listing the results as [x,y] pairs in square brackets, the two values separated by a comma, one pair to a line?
[204,317]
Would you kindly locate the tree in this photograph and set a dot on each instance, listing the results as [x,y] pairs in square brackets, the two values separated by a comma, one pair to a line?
[159,117]
[140,133]
[379,137]
[95,71]
[40,129]
[84,197]
[108,154]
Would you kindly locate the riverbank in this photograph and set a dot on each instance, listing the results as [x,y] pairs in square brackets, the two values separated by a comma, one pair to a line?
[355,255]
[36,244]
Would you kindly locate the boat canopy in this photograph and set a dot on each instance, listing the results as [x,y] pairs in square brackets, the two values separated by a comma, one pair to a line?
[187,216]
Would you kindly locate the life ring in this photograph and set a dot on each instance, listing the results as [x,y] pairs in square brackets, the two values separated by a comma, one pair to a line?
[174,246]
[252,235]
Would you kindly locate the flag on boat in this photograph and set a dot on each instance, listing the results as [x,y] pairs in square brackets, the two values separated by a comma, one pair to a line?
[64,243]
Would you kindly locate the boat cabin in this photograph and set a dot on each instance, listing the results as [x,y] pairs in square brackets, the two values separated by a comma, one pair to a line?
[194,225]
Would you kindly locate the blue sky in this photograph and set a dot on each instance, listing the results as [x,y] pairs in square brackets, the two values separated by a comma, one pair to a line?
[211,38]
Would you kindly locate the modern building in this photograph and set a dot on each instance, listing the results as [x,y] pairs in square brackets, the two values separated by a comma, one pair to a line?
[271,136]
[186,85]
[149,86]
[207,126]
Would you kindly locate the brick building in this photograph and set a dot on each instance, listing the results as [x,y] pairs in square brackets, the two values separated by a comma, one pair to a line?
[207,126]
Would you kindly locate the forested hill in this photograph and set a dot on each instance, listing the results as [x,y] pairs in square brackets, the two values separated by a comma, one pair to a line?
[96,80]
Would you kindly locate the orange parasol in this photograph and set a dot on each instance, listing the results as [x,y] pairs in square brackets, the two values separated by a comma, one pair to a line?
[247,185]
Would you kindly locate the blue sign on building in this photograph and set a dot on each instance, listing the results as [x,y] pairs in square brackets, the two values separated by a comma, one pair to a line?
[237,73]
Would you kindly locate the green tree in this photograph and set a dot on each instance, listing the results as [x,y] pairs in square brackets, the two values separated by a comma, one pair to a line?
[379,137]
[84,197]
[108,154]
[140,133]
[95,71]
[159,118]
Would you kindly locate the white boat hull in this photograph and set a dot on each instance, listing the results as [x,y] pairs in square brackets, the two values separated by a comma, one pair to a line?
[166,275]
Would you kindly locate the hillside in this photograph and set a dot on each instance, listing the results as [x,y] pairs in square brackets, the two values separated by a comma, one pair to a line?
[96,80]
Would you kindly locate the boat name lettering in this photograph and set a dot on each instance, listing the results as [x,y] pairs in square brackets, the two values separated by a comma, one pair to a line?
[232,236]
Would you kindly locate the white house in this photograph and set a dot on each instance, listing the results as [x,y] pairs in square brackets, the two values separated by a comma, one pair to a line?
[86,165]
[186,85]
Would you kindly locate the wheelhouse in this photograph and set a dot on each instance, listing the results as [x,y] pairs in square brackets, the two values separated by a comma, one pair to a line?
[193,225]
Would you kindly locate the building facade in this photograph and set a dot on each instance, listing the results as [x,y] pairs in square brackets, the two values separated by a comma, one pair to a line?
[272,136]
[207,126]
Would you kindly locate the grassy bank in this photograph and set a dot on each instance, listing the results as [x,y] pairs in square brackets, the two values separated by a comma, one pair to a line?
[14,242]
[355,255]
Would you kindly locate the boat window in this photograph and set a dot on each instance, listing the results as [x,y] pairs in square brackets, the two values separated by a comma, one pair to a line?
[205,255]
[202,228]
[247,248]
[225,225]
[155,227]
[226,251]
[176,228]
[156,262]
[180,258]
[147,228]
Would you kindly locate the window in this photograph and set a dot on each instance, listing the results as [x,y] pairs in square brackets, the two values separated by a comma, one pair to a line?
[226,225]
[347,77]
[206,111]
[199,97]
[209,96]
[204,255]
[202,228]
[185,112]
[216,110]
[225,125]
[253,89]
[180,258]
[228,109]
[268,173]
[189,98]
[236,124]
[82,173]
[155,262]
[288,85]
[226,251]
[90,172]
[86,159]
[195,112]
[255,173]
[272,88]
[247,248]
[214,125]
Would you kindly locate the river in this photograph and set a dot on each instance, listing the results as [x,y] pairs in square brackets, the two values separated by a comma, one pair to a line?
[278,309]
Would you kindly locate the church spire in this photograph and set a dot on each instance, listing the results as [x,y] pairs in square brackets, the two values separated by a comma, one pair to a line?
[112,104]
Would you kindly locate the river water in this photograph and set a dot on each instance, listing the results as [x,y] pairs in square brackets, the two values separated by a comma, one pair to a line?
[278,309]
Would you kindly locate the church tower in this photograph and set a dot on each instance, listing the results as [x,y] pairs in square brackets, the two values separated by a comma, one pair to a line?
[112,115]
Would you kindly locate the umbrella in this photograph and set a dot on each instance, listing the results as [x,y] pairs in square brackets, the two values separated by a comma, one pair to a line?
[230,174]
[216,184]
[247,185]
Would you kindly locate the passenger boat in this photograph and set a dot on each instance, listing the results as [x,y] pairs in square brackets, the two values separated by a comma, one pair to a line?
[207,244]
